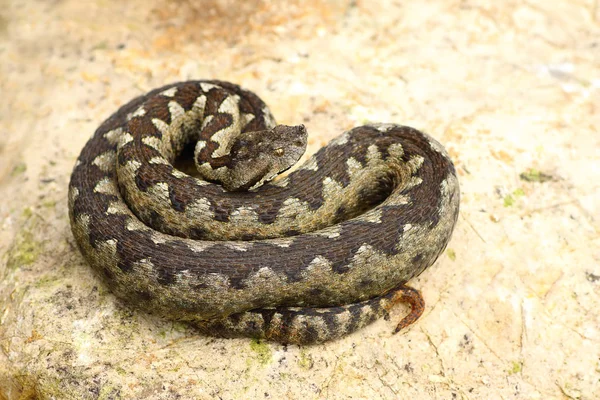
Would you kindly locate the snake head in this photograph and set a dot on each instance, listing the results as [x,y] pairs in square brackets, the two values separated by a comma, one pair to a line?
[257,157]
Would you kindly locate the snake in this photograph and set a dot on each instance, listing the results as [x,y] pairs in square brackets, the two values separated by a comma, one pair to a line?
[238,249]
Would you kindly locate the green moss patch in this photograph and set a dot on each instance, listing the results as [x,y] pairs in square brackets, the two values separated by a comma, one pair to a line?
[262,351]
[25,251]
[533,175]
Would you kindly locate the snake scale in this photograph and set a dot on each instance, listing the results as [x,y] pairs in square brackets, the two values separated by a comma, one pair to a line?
[306,258]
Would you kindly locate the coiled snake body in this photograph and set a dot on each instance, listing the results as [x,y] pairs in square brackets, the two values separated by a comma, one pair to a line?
[304,259]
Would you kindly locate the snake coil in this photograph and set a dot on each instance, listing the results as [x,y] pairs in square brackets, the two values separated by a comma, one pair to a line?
[303,259]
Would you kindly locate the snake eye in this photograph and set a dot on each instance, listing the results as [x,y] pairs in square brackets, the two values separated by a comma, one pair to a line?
[279,152]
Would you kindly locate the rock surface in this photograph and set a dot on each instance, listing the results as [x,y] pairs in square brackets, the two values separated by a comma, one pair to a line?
[512,90]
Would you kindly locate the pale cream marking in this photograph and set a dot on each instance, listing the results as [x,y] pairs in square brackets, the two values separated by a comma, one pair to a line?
[176,110]
[84,222]
[243,214]
[354,166]
[216,281]
[318,267]
[198,246]
[107,247]
[448,185]
[139,112]
[399,199]
[258,184]
[106,186]
[282,242]
[412,235]
[200,145]
[125,138]
[158,238]
[343,320]
[153,141]
[396,150]
[366,255]
[295,309]
[341,140]
[373,154]
[105,161]
[132,166]
[265,279]
[207,120]
[178,174]
[73,194]
[415,163]
[384,127]
[321,327]
[330,232]
[158,160]
[170,92]
[113,136]
[246,118]
[77,163]
[161,125]
[199,207]
[373,216]
[224,137]
[291,208]
[435,145]
[412,182]
[238,245]
[323,310]
[144,267]
[331,189]
[200,182]
[199,105]
[160,191]
[366,312]
[282,182]
[205,166]
[117,207]
[184,277]
[385,304]
[133,224]
[364,249]
[206,87]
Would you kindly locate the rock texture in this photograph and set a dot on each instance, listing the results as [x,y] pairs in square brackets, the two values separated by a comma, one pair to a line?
[511,88]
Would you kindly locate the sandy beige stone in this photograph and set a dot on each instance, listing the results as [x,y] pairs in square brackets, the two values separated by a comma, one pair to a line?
[511,88]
